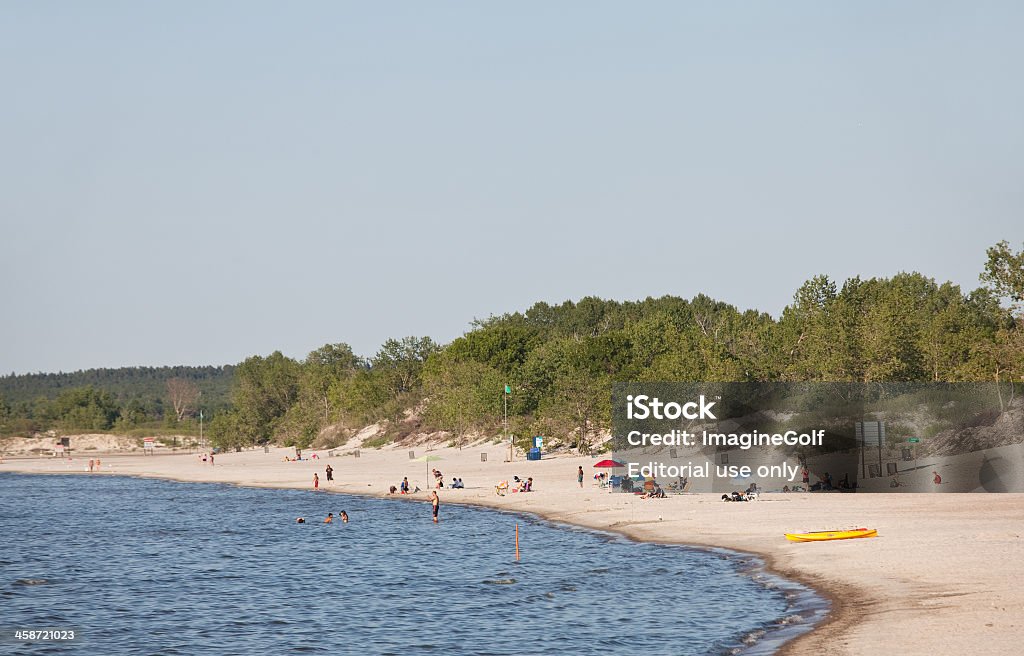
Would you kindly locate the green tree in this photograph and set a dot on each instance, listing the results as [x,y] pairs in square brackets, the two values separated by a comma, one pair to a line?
[226,431]
[890,337]
[1004,272]
[321,372]
[265,389]
[462,395]
[399,363]
[84,408]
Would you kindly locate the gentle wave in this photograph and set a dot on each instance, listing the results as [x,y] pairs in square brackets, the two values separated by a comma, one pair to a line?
[216,568]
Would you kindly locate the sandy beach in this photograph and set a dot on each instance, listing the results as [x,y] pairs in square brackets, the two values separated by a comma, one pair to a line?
[941,578]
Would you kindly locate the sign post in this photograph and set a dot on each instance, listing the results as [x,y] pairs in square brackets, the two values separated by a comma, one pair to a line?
[508,390]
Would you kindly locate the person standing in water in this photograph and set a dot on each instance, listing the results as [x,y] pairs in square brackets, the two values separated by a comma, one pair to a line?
[344,517]
[316,481]
[579,476]
[329,518]
[435,502]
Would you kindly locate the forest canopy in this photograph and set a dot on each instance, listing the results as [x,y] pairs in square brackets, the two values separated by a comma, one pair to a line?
[559,362]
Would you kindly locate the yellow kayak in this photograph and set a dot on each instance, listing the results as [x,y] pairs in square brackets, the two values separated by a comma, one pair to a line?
[821,536]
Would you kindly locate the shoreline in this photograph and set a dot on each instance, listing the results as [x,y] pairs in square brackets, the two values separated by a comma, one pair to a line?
[870,597]
[813,606]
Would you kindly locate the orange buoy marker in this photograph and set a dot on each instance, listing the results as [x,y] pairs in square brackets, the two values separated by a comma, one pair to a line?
[517,542]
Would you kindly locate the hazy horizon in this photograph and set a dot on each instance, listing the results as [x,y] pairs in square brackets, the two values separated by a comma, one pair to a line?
[196,184]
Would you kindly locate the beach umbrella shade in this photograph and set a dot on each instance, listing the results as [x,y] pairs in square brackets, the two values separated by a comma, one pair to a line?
[429,459]
[609,464]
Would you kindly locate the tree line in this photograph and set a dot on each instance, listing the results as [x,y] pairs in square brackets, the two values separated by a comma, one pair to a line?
[119,399]
[559,361]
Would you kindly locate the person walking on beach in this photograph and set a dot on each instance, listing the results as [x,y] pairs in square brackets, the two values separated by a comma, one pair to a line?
[579,476]
[330,473]
[92,463]
[316,481]
[405,485]
[211,460]
[435,502]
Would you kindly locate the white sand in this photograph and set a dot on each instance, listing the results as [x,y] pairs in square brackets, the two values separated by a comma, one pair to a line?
[944,577]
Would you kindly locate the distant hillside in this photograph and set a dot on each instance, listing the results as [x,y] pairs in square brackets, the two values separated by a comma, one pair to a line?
[124,384]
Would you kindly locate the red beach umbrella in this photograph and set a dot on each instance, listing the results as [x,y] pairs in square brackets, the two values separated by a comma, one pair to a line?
[609,464]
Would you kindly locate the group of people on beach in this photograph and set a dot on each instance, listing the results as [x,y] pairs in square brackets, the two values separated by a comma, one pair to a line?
[435,501]
[328,472]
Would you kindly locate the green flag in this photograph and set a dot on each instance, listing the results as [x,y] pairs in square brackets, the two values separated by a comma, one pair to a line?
[508,389]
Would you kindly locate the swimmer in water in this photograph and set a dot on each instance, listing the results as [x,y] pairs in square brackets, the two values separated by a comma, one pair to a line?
[344,517]
[300,520]
[329,519]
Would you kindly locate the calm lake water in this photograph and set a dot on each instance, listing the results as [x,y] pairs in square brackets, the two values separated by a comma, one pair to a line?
[155,567]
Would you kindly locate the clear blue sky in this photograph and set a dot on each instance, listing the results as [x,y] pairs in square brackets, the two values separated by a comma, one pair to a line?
[194,183]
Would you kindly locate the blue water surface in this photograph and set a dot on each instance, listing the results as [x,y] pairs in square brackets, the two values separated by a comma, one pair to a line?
[141,566]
